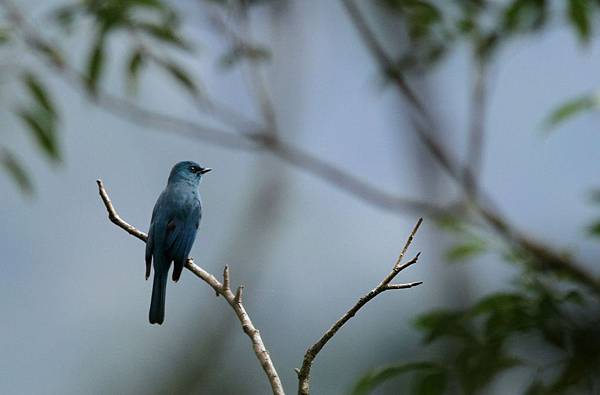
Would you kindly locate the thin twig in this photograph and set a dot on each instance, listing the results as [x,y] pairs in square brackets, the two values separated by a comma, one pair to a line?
[384,285]
[255,75]
[382,57]
[476,128]
[234,300]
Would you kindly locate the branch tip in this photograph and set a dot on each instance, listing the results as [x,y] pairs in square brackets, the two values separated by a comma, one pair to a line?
[403,286]
[384,285]
[238,294]
[226,278]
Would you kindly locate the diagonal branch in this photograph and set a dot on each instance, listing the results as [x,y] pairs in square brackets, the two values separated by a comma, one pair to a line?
[223,289]
[384,285]
[252,138]
[476,128]
[546,257]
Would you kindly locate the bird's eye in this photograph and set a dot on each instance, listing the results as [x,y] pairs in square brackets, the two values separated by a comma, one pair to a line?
[193,169]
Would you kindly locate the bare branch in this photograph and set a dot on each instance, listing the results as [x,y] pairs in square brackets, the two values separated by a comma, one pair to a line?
[238,294]
[403,286]
[234,300]
[384,285]
[381,55]
[115,218]
[226,278]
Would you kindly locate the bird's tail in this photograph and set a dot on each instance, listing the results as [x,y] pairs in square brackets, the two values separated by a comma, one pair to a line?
[159,289]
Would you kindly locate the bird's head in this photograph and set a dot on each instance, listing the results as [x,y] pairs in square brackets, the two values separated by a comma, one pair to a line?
[187,171]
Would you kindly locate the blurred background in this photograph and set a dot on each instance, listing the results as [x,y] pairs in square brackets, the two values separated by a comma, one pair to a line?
[331,126]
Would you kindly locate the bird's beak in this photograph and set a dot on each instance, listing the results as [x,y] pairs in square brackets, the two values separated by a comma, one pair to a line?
[205,170]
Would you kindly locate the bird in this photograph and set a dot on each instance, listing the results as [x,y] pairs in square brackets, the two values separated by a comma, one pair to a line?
[173,227]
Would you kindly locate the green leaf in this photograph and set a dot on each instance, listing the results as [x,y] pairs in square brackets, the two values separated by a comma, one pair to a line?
[65,16]
[536,388]
[134,66]
[4,35]
[594,229]
[575,297]
[466,250]
[498,301]
[477,366]
[433,382]
[579,13]
[450,222]
[595,196]
[16,171]
[572,108]
[41,125]
[507,314]
[163,33]
[39,93]
[51,53]
[443,323]
[524,15]
[95,64]
[376,377]
[182,77]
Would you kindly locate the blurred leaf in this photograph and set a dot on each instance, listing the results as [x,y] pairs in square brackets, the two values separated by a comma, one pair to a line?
[95,64]
[182,77]
[507,314]
[41,125]
[244,52]
[16,171]
[427,33]
[39,93]
[579,12]
[536,388]
[594,229]
[163,33]
[376,377]
[65,16]
[50,52]
[433,382]
[486,45]
[479,364]
[466,250]
[450,222]
[524,15]
[574,372]
[4,35]
[498,301]
[572,108]
[442,323]
[134,65]
[575,297]
[595,196]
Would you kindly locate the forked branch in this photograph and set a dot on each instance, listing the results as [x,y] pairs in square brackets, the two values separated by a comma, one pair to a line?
[223,289]
[384,285]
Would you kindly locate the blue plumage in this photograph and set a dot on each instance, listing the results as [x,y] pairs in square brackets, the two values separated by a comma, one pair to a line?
[173,228]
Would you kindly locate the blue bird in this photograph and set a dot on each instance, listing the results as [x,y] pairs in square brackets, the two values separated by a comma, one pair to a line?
[173,228]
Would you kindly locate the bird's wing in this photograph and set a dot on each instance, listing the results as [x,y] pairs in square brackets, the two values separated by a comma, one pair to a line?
[181,233]
[151,233]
